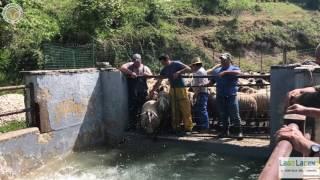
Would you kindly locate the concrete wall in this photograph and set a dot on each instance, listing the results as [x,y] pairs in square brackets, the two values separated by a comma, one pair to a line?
[77,108]
[282,82]
[115,109]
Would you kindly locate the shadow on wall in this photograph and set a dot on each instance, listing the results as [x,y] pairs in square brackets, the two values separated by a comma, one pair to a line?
[106,111]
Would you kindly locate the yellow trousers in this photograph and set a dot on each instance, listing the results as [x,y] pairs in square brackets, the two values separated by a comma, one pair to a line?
[180,109]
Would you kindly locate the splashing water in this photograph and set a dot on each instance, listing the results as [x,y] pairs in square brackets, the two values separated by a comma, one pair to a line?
[154,161]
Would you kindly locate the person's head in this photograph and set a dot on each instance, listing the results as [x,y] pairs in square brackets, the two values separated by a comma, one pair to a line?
[317,53]
[136,59]
[225,59]
[164,59]
[196,64]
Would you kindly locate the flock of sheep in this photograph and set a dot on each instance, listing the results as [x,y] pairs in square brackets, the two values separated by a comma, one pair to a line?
[253,96]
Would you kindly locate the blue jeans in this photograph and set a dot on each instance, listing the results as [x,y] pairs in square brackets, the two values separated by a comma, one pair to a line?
[201,112]
[228,107]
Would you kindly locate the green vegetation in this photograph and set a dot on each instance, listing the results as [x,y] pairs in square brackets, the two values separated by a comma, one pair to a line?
[183,28]
[12,126]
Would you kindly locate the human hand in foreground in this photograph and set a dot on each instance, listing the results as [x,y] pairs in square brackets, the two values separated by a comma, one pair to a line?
[298,109]
[294,94]
[296,138]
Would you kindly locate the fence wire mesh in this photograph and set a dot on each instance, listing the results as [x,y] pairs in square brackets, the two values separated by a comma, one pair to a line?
[68,57]
[82,56]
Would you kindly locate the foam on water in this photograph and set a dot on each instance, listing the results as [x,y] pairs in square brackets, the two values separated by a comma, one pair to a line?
[169,161]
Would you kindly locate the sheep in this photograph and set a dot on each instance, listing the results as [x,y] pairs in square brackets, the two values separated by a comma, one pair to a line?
[262,98]
[242,81]
[247,107]
[252,81]
[212,90]
[212,107]
[163,105]
[261,83]
[247,90]
[150,120]
[192,98]
[156,113]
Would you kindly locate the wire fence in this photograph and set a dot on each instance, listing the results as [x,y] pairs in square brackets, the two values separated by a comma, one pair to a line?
[82,56]
[69,57]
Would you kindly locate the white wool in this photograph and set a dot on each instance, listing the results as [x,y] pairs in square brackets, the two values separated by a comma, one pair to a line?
[149,116]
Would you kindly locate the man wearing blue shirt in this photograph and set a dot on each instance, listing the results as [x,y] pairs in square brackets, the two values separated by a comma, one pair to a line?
[226,80]
[180,104]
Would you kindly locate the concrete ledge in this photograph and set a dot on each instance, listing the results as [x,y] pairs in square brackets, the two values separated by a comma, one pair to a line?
[250,147]
[62,71]
[16,134]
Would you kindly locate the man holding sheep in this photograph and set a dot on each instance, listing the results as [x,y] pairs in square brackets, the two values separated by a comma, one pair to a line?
[226,80]
[180,104]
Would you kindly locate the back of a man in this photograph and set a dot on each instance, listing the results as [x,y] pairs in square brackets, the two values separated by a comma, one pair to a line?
[170,70]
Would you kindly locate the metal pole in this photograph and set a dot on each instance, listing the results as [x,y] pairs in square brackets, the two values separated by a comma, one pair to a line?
[74,58]
[284,56]
[239,60]
[261,61]
[93,57]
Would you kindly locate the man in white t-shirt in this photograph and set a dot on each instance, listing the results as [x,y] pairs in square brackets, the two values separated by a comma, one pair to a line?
[201,93]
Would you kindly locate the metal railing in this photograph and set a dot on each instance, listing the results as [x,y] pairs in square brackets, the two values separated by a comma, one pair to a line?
[257,126]
[28,90]
[14,88]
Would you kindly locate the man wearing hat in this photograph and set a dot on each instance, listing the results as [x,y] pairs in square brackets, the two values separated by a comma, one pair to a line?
[201,93]
[180,104]
[226,81]
[137,87]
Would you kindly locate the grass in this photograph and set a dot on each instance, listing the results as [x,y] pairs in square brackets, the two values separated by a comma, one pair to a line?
[12,126]
[282,11]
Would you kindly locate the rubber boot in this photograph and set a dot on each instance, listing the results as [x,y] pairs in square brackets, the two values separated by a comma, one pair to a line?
[224,132]
[238,133]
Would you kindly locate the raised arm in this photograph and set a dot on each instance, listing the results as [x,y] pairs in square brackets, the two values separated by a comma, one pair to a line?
[234,72]
[125,69]
[294,94]
[210,71]
[185,69]
[147,71]
[307,111]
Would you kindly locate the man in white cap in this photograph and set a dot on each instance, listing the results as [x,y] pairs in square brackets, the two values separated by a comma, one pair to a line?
[137,87]
[226,79]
